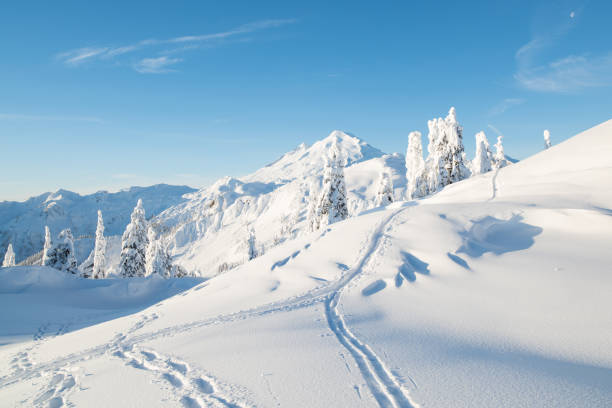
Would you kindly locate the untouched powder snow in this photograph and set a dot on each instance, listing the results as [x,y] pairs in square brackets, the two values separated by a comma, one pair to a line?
[493,292]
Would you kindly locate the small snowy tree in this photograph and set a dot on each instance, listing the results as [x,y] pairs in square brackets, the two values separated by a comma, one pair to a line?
[312,216]
[547,143]
[251,243]
[415,166]
[446,162]
[482,162]
[61,255]
[499,160]
[46,247]
[99,260]
[134,245]
[157,257]
[9,257]
[332,205]
[385,190]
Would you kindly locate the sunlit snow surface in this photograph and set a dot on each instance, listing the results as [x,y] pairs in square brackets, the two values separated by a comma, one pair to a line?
[495,292]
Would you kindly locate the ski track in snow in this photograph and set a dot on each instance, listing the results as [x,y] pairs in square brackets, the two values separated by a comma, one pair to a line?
[384,386]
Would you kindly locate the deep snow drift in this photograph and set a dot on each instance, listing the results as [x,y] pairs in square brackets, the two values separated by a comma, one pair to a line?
[493,292]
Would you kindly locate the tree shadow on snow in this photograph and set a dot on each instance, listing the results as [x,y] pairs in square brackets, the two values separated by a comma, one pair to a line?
[490,234]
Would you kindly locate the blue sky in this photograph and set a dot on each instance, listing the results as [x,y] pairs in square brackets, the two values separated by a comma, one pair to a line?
[108,95]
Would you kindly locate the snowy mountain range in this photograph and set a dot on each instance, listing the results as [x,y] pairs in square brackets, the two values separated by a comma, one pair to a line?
[23,223]
[494,291]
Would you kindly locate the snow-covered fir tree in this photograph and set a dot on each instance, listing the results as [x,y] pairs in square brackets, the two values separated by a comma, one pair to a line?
[482,162]
[332,205]
[61,255]
[46,247]
[547,142]
[313,202]
[9,257]
[251,243]
[415,167]
[499,160]
[385,190]
[99,260]
[446,162]
[134,245]
[157,257]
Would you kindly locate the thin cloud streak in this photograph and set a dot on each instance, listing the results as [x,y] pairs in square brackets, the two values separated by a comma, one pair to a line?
[504,105]
[156,65]
[82,55]
[17,116]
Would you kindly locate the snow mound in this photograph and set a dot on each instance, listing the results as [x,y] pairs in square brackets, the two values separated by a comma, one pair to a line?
[42,297]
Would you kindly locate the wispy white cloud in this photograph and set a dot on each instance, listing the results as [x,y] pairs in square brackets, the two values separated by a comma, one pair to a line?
[81,55]
[156,65]
[567,74]
[87,54]
[17,116]
[504,105]
[496,130]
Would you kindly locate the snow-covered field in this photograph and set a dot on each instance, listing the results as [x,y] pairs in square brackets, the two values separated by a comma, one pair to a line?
[496,291]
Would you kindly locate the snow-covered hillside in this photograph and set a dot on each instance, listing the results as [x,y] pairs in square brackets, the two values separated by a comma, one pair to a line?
[493,292]
[208,233]
[23,223]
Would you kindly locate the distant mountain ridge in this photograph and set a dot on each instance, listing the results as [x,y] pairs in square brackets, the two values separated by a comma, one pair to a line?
[23,223]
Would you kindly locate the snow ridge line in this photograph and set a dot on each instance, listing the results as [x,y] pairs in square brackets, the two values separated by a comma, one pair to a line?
[385,388]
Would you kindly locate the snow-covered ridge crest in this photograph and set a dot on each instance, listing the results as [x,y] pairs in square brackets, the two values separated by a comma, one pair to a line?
[308,160]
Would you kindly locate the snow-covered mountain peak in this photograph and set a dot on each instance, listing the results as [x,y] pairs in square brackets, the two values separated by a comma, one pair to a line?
[306,161]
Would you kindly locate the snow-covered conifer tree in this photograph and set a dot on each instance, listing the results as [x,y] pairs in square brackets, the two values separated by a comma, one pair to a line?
[9,257]
[99,261]
[312,217]
[332,205]
[46,247]
[61,255]
[499,160]
[547,143]
[251,244]
[446,162]
[157,257]
[134,245]
[415,166]
[482,162]
[385,190]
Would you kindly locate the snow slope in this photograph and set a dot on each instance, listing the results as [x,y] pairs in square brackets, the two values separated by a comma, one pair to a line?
[23,223]
[208,233]
[494,292]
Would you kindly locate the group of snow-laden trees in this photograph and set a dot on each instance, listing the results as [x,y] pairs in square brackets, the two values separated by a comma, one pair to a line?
[485,160]
[143,252]
[446,162]
[330,204]
[60,255]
